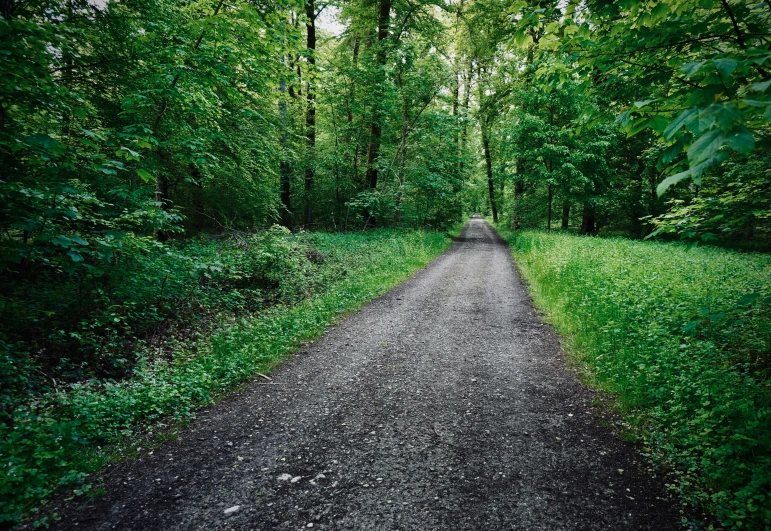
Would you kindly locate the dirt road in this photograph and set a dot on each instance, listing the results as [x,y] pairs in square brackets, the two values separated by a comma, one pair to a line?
[445,404]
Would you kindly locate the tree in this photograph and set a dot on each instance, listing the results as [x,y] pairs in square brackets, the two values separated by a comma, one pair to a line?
[691,71]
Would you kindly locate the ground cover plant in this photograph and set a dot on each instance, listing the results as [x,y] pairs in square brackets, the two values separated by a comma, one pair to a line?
[682,336]
[221,311]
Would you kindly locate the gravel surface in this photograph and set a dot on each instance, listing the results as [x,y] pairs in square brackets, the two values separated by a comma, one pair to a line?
[445,404]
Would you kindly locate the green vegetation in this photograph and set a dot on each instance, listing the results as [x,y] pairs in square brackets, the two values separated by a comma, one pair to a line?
[145,147]
[682,337]
[226,310]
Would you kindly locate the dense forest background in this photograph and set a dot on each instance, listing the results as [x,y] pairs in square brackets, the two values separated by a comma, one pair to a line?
[145,145]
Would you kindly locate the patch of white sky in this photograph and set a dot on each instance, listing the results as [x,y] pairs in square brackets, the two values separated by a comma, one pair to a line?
[329,21]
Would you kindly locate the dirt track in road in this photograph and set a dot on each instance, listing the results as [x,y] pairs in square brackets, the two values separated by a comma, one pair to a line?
[445,404]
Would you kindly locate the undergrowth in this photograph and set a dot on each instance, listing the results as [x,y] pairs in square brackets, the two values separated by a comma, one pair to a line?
[682,337]
[227,310]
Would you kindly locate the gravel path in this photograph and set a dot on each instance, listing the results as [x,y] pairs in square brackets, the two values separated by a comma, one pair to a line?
[445,404]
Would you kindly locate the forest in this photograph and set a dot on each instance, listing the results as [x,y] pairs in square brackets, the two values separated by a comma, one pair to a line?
[189,189]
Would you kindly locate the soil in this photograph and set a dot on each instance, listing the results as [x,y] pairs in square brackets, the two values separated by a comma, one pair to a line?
[445,404]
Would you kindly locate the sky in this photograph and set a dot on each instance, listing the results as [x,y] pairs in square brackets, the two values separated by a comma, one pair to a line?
[329,22]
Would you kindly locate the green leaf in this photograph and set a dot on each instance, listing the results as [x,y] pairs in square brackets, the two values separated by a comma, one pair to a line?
[706,146]
[128,153]
[79,240]
[725,115]
[691,68]
[638,125]
[756,103]
[44,141]
[671,181]
[145,176]
[725,66]
[623,119]
[89,143]
[691,326]
[748,299]
[660,12]
[658,123]
[75,256]
[522,39]
[678,122]
[740,139]
[761,86]
[674,150]
[64,241]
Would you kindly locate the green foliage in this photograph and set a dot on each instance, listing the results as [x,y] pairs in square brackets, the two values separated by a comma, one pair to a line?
[240,306]
[733,206]
[543,139]
[682,338]
[696,73]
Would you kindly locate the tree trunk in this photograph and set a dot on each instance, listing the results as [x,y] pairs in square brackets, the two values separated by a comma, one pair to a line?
[490,182]
[310,111]
[565,214]
[197,198]
[637,211]
[373,152]
[286,194]
[352,91]
[6,8]
[455,105]
[588,224]
[464,127]
[402,160]
[519,189]
[284,169]
[548,208]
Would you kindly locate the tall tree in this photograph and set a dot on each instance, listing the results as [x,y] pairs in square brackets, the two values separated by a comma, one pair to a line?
[376,126]
[310,112]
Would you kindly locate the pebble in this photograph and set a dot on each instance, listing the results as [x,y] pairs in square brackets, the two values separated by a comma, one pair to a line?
[231,510]
[284,477]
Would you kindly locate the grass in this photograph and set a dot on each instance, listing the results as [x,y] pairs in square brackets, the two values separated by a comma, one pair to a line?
[682,338]
[55,439]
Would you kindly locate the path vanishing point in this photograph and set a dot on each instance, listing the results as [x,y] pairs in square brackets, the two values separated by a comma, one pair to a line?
[445,404]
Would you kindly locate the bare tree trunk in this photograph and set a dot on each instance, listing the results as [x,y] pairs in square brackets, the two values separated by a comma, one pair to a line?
[402,159]
[489,165]
[464,128]
[588,224]
[548,208]
[565,214]
[284,169]
[352,91]
[519,189]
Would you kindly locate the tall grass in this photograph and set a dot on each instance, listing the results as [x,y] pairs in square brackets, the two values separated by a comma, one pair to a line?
[55,440]
[683,338]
